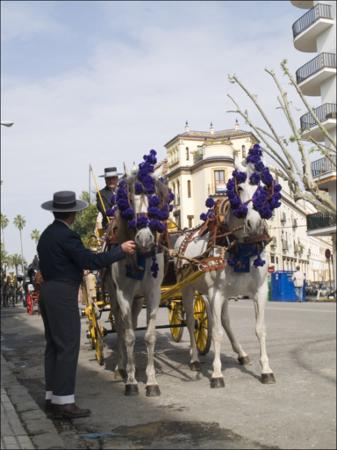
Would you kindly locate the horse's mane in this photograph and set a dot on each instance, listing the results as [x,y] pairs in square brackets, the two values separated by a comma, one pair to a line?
[124,233]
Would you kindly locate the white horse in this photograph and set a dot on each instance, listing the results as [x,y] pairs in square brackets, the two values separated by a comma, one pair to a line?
[223,284]
[135,279]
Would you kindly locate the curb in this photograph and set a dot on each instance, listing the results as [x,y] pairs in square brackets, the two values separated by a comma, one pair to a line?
[40,429]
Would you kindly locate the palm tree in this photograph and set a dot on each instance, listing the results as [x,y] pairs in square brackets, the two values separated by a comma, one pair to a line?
[3,224]
[15,261]
[20,222]
[35,235]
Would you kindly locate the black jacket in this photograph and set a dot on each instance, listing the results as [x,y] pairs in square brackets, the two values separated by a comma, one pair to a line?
[63,257]
[106,195]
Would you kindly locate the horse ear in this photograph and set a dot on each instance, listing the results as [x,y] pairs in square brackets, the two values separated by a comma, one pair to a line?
[239,166]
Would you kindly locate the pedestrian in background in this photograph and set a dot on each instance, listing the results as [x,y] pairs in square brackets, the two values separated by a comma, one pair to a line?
[63,258]
[298,279]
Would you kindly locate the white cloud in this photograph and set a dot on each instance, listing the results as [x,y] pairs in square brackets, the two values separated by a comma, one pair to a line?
[24,20]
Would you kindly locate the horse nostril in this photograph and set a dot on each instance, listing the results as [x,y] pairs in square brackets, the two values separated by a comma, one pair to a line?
[249,224]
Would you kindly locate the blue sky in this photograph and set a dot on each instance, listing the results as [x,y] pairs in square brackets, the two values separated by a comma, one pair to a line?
[103,82]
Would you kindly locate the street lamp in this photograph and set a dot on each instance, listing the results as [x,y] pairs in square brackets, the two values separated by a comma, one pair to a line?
[7,124]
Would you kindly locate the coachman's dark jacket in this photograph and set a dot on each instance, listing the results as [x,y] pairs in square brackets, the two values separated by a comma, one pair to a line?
[63,256]
[106,195]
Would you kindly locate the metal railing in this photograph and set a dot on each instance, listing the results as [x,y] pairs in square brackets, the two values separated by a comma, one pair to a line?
[315,65]
[323,112]
[322,166]
[319,11]
[320,220]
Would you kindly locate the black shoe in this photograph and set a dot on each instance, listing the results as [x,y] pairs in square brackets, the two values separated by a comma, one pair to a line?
[69,411]
[48,406]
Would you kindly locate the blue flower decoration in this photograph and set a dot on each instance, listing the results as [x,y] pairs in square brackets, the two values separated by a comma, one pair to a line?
[210,202]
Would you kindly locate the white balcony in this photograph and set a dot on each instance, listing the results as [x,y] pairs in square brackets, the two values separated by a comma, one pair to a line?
[308,27]
[326,114]
[320,224]
[324,173]
[312,74]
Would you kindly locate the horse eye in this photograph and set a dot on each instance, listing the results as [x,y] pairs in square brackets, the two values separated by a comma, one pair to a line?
[240,189]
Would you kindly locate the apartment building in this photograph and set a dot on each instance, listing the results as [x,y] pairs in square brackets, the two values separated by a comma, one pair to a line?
[315,33]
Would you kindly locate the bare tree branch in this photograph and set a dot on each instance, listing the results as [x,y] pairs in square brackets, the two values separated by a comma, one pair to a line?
[309,108]
[283,156]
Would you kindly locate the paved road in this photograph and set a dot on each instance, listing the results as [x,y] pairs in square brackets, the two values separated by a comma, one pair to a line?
[298,412]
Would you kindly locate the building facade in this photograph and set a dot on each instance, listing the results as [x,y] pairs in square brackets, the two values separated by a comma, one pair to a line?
[315,33]
[199,164]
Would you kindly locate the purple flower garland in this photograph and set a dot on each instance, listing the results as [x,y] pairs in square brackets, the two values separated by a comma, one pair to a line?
[155,216]
[265,199]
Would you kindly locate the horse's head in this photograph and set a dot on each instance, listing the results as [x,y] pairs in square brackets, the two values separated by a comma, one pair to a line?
[253,194]
[143,204]
[245,214]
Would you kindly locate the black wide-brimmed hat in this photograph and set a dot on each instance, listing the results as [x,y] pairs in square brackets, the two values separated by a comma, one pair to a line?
[64,201]
[110,172]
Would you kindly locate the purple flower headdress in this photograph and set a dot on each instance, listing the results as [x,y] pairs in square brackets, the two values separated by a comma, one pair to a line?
[157,213]
[265,199]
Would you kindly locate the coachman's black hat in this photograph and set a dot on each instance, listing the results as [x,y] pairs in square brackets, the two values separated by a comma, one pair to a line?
[110,172]
[64,201]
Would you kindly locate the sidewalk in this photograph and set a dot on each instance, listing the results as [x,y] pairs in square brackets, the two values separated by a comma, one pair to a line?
[23,424]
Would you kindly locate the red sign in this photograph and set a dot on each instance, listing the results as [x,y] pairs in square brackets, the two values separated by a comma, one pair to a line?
[271,269]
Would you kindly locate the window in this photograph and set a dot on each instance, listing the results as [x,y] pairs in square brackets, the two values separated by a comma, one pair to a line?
[219,181]
[190,221]
[187,154]
[243,150]
[189,192]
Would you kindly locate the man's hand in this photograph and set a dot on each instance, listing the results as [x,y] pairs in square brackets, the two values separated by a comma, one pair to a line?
[129,247]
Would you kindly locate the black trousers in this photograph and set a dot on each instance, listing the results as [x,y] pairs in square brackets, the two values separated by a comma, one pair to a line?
[60,314]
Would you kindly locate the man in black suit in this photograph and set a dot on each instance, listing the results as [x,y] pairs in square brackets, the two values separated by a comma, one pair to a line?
[62,259]
[105,198]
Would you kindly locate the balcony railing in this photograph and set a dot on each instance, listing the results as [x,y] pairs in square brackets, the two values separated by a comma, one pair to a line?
[319,11]
[321,167]
[315,65]
[320,220]
[323,112]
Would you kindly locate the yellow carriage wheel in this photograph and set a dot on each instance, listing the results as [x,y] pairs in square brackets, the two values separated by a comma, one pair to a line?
[176,317]
[202,330]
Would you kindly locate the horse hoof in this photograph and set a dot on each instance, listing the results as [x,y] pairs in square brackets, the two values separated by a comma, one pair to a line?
[195,366]
[122,373]
[268,378]
[152,390]
[244,360]
[217,382]
[131,389]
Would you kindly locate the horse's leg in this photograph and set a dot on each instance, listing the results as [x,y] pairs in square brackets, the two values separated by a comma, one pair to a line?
[118,322]
[121,350]
[136,309]
[188,302]
[125,303]
[260,301]
[243,358]
[216,301]
[152,305]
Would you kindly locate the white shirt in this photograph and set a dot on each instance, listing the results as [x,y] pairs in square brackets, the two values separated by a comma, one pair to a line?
[298,279]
